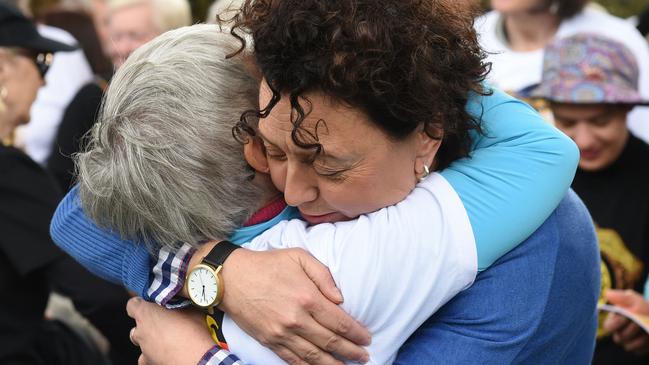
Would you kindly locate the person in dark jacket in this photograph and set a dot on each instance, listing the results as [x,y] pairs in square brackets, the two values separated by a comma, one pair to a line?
[31,266]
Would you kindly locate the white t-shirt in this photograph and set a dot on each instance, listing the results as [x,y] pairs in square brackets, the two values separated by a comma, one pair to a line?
[395,267]
[513,71]
[68,73]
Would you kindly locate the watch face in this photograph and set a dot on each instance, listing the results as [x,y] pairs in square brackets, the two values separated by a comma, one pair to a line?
[202,286]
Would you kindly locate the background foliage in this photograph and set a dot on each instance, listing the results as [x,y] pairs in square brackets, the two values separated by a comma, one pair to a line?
[624,8]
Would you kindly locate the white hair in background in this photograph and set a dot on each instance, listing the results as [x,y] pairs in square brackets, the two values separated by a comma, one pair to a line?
[162,164]
[167,14]
[225,8]
[86,5]
[172,14]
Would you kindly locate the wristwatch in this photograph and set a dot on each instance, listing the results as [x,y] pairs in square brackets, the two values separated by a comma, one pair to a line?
[204,283]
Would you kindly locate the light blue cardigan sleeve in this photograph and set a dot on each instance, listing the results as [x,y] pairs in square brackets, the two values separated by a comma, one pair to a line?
[99,250]
[516,175]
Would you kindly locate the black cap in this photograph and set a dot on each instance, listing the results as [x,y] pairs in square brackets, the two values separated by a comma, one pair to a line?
[18,31]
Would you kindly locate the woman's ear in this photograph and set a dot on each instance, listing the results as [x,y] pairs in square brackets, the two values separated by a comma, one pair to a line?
[255,154]
[427,148]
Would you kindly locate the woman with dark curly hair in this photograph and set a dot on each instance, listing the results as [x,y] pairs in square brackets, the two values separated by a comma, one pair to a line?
[343,77]
[359,103]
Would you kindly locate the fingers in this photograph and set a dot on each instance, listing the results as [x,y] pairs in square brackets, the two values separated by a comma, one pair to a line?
[640,345]
[142,360]
[325,342]
[623,298]
[301,338]
[337,321]
[299,319]
[309,353]
[320,275]
[615,322]
[333,330]
[627,333]
[131,336]
[287,355]
[132,306]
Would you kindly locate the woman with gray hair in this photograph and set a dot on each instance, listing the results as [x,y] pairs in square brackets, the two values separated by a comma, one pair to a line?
[162,164]
[150,163]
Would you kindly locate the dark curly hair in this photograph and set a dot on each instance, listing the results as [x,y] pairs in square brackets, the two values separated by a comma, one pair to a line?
[405,63]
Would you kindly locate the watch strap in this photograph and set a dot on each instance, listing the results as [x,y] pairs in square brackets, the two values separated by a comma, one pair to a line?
[219,253]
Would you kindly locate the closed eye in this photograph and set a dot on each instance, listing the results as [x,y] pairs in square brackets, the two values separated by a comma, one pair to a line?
[276,156]
[274,153]
[331,173]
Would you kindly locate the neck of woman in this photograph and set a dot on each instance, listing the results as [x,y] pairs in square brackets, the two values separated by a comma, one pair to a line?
[530,31]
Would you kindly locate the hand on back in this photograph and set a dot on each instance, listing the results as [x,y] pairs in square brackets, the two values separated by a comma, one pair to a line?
[288,301]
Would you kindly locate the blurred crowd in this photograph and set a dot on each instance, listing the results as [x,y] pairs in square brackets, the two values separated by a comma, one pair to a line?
[587,72]
[584,69]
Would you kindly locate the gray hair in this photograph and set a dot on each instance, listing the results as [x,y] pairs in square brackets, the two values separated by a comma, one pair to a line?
[162,164]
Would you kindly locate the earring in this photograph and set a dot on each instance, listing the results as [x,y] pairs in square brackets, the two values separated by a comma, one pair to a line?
[425,174]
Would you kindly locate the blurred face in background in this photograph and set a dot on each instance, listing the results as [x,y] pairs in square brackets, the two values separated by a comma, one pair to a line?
[100,20]
[518,6]
[20,80]
[129,27]
[599,130]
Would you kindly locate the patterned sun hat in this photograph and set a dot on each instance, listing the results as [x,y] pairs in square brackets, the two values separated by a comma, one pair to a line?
[589,68]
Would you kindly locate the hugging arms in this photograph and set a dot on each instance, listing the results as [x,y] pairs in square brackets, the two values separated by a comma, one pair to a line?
[540,162]
[489,191]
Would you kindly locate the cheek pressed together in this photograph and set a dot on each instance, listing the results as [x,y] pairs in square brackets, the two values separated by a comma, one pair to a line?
[359,168]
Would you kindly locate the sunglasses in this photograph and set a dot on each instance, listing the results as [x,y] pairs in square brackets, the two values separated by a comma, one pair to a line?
[42,60]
